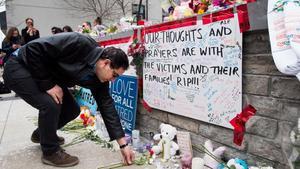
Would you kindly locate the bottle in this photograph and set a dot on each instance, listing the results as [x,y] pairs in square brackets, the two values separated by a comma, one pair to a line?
[135,139]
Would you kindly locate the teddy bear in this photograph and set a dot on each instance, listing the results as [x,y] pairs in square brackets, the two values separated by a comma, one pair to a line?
[178,11]
[183,10]
[165,141]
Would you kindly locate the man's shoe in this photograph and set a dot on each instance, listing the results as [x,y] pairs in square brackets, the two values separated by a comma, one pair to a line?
[60,159]
[35,138]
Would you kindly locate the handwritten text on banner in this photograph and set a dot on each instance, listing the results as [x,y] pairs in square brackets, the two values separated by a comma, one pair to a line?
[195,71]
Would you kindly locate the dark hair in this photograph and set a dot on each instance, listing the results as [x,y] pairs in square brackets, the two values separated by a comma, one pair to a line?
[29,19]
[9,34]
[117,57]
[88,23]
[67,28]
[56,30]
[98,20]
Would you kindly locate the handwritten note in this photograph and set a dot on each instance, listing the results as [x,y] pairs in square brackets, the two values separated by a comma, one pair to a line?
[195,71]
[184,142]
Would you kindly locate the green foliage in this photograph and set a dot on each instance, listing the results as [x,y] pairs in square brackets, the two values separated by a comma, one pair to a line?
[84,134]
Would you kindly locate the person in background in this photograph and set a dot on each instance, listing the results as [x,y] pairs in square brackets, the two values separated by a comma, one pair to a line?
[2,55]
[29,33]
[41,72]
[56,30]
[98,27]
[67,29]
[87,27]
[11,42]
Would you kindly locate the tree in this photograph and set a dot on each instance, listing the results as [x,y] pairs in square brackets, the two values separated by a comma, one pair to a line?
[105,9]
[124,5]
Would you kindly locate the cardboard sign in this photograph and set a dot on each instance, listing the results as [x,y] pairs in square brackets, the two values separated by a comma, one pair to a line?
[184,142]
[124,92]
[85,98]
[194,69]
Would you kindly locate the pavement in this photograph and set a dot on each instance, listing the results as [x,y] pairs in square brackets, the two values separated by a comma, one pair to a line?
[17,120]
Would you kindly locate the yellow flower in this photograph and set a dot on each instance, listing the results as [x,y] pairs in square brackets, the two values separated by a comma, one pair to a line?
[201,11]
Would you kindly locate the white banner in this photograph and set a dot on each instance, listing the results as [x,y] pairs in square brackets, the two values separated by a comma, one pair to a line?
[284,30]
[195,71]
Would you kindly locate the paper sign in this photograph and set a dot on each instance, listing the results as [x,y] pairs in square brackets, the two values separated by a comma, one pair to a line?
[184,142]
[195,70]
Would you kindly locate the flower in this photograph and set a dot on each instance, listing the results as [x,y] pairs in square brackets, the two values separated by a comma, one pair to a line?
[138,51]
[136,47]
[86,117]
[151,152]
[86,31]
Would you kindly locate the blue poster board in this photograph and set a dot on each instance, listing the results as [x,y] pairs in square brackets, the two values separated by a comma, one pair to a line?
[124,91]
[85,98]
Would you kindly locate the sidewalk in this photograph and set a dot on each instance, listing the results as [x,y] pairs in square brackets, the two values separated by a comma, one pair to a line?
[17,151]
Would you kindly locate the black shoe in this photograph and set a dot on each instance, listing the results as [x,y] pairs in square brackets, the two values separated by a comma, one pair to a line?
[60,159]
[35,138]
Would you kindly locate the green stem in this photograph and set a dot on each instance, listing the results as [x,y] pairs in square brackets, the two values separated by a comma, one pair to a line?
[112,166]
[73,143]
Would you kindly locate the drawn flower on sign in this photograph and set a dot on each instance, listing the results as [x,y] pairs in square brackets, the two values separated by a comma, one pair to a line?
[279,5]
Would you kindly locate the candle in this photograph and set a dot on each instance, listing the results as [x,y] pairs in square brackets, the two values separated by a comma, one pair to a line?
[166,148]
[135,139]
[197,163]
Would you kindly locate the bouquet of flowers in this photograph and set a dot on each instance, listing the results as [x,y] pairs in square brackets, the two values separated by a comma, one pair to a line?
[86,117]
[138,51]
[175,9]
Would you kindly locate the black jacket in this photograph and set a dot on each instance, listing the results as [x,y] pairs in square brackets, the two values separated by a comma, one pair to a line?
[68,59]
[7,46]
[27,38]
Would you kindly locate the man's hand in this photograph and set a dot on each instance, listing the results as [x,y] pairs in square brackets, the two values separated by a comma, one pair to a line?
[128,155]
[56,93]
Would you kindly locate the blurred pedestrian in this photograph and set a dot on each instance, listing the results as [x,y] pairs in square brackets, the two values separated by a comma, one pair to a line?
[67,29]
[11,42]
[56,30]
[87,27]
[30,32]
[98,27]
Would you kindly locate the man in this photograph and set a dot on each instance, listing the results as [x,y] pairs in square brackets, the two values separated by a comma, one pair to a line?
[40,73]
[87,25]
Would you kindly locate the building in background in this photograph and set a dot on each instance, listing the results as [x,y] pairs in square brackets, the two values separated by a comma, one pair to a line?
[49,13]
[46,14]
